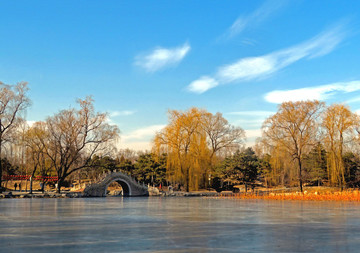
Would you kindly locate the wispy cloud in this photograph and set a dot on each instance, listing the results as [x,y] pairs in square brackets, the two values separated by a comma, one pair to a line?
[322,92]
[249,119]
[30,123]
[252,113]
[251,68]
[202,84]
[253,133]
[251,136]
[260,15]
[121,113]
[135,145]
[161,58]
[143,133]
[139,139]
[114,114]
[353,100]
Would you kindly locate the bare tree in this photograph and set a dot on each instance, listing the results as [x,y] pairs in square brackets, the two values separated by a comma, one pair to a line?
[34,141]
[222,135]
[74,136]
[13,101]
[294,127]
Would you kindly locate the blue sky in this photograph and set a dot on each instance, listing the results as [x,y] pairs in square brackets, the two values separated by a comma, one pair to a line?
[140,58]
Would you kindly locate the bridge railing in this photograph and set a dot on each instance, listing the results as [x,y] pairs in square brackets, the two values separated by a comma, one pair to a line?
[103,176]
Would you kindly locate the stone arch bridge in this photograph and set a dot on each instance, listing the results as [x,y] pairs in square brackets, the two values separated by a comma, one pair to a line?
[130,186]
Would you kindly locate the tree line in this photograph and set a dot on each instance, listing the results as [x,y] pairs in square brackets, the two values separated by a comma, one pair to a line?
[310,141]
[62,144]
[304,142]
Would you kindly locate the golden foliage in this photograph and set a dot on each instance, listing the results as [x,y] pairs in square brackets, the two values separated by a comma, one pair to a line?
[339,124]
[192,140]
[294,129]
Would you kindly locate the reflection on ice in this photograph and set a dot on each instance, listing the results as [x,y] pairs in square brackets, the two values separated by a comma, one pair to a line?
[177,225]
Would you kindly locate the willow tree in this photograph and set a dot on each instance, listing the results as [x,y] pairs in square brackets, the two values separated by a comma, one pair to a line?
[294,127]
[180,139]
[13,102]
[339,124]
[33,140]
[74,136]
[191,140]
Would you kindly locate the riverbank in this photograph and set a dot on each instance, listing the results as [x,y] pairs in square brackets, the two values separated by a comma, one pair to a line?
[353,196]
[38,194]
[35,194]
[311,195]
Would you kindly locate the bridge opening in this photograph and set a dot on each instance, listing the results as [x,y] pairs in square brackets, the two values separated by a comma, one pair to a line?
[118,188]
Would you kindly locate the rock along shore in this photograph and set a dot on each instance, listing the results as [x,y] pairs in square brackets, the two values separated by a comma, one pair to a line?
[81,195]
[24,195]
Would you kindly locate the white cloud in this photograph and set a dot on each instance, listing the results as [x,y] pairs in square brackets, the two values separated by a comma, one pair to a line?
[249,123]
[140,139]
[161,58]
[264,12]
[250,119]
[357,111]
[121,113]
[114,114]
[253,113]
[30,123]
[251,136]
[322,92]
[251,68]
[143,133]
[202,84]
[353,100]
[253,133]
[256,67]
[135,145]
[247,68]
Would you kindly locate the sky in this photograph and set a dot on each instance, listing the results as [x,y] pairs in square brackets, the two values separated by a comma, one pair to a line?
[139,59]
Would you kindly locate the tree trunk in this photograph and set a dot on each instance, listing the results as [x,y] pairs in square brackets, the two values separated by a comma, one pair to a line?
[187,180]
[31,185]
[59,182]
[1,167]
[43,186]
[300,175]
[31,180]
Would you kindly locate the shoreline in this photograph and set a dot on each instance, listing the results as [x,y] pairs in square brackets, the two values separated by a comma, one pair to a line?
[345,196]
[21,195]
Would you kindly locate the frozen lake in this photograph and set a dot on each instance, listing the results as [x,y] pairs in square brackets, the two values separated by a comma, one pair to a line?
[177,224]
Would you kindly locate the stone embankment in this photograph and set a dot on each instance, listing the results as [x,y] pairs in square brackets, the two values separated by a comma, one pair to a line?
[189,194]
[152,192]
[24,195]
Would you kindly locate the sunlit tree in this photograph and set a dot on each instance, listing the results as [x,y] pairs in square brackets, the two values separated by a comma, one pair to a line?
[192,139]
[180,140]
[34,140]
[339,124]
[13,102]
[75,136]
[295,128]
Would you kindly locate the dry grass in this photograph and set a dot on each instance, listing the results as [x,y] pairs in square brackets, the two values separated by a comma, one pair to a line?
[312,196]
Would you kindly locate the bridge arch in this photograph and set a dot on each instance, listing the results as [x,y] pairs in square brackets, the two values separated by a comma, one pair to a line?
[124,185]
[129,185]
